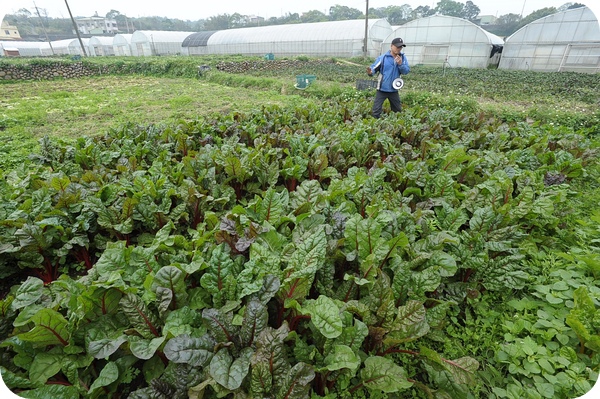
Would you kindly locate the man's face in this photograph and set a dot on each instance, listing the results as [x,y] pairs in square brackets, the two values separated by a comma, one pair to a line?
[395,50]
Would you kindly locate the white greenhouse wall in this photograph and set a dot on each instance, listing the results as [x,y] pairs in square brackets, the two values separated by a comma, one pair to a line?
[26,49]
[122,45]
[74,47]
[565,41]
[329,39]
[99,46]
[148,43]
[444,40]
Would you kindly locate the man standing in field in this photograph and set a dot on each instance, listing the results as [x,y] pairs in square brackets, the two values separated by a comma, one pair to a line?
[390,66]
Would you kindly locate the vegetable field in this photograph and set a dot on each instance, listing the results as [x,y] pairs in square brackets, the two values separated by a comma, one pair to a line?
[305,249]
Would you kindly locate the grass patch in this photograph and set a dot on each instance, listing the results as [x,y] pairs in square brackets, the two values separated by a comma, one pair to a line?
[68,109]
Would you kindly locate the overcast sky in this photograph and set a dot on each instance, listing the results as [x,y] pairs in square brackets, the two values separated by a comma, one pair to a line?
[195,10]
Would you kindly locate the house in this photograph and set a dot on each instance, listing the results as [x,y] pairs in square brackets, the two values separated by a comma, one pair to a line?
[97,26]
[487,19]
[9,32]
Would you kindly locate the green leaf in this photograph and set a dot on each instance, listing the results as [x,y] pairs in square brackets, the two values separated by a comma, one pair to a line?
[297,382]
[256,318]
[230,372]
[44,366]
[108,375]
[342,357]
[50,328]
[325,315]
[100,346]
[144,348]
[410,324]
[194,351]
[172,278]
[28,292]
[384,375]
[138,314]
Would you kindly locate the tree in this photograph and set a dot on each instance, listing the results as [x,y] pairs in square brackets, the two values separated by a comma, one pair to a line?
[470,11]
[343,13]
[314,16]
[541,13]
[450,7]
[422,12]
[398,15]
[218,22]
[112,14]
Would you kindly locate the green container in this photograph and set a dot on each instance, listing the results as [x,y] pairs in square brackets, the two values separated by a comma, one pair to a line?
[269,56]
[303,81]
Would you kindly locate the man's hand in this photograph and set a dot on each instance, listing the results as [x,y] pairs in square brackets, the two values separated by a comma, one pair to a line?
[369,71]
[398,59]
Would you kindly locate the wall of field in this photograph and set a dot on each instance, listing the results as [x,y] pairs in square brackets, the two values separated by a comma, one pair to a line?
[46,72]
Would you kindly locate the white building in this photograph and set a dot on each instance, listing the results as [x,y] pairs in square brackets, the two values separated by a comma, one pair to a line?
[451,41]
[97,26]
[565,41]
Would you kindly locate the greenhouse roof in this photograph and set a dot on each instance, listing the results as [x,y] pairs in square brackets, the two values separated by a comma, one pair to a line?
[444,29]
[317,31]
[197,39]
[572,26]
[159,36]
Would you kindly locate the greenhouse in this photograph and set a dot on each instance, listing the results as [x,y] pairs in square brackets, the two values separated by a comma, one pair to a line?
[565,41]
[450,41]
[331,39]
[148,42]
[122,44]
[100,46]
[25,49]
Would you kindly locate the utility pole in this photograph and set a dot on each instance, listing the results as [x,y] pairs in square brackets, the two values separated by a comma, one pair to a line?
[43,27]
[365,45]
[76,30]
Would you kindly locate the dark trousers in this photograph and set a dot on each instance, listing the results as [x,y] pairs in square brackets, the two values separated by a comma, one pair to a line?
[380,96]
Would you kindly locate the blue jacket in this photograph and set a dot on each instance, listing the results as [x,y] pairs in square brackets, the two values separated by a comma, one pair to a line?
[389,70]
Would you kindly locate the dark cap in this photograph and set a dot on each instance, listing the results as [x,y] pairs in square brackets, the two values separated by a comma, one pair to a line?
[398,42]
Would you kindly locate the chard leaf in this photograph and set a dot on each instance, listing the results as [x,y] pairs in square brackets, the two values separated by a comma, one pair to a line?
[51,328]
[325,315]
[101,346]
[52,391]
[220,266]
[297,383]
[342,357]
[144,348]
[108,375]
[255,320]
[230,372]
[138,314]
[410,324]
[304,262]
[44,366]
[271,352]
[462,370]
[27,293]
[261,382]
[220,325]
[272,207]
[384,375]
[172,278]
[193,351]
